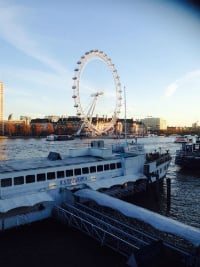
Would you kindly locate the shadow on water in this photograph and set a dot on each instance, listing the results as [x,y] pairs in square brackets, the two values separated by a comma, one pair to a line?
[189,172]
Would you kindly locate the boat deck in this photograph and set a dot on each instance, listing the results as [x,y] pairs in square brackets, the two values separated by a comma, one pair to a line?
[59,160]
[36,163]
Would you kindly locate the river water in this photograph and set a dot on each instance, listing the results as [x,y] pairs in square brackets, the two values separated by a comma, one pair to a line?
[185,186]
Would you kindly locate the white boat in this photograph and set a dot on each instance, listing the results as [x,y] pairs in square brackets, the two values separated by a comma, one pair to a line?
[51,137]
[30,188]
[183,138]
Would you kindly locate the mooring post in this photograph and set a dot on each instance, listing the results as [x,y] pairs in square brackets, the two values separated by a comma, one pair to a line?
[168,180]
[157,187]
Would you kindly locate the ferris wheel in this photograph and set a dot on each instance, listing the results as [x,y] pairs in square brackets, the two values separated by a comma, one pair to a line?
[107,126]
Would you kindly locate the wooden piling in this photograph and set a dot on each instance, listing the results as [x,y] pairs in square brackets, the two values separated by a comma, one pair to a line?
[168,181]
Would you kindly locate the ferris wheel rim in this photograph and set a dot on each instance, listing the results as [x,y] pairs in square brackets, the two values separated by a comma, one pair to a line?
[84,60]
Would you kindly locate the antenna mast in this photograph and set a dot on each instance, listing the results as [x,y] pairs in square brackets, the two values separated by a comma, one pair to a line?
[125,114]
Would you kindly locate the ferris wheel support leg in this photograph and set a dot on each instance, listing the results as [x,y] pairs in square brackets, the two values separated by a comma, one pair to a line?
[80,129]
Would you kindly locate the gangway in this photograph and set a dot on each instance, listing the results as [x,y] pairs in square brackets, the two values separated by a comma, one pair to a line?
[121,237]
[104,232]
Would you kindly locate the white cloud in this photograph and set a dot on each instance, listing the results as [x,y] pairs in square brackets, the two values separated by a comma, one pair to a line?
[188,77]
[171,89]
[37,79]
[13,32]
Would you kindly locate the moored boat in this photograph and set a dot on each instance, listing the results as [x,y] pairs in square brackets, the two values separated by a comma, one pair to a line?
[183,138]
[30,188]
[54,137]
[188,157]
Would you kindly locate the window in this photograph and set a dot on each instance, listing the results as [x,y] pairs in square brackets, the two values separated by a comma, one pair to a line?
[100,168]
[51,175]
[112,166]
[18,180]
[106,167]
[41,177]
[92,169]
[60,174]
[77,171]
[30,179]
[119,165]
[6,182]
[85,170]
[69,173]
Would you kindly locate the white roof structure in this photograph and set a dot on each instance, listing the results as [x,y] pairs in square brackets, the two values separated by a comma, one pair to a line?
[107,183]
[156,220]
[23,201]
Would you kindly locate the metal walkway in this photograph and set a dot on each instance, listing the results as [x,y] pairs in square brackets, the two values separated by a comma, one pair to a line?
[110,232]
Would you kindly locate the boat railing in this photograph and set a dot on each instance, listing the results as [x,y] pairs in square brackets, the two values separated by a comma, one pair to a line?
[164,158]
[157,156]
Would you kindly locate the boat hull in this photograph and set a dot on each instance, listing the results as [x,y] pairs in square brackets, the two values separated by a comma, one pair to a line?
[188,162]
[188,157]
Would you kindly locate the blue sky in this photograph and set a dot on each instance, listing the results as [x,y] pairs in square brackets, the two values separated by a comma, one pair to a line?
[154,44]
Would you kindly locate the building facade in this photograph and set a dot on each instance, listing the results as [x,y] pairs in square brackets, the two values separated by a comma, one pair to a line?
[1,101]
[1,108]
[154,124]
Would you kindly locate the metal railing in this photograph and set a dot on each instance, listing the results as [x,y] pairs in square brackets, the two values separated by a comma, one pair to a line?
[111,232]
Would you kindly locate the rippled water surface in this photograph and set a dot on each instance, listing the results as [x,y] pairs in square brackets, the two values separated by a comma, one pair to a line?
[185,186]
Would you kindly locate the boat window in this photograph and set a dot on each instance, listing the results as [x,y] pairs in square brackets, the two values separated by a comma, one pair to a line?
[100,168]
[93,169]
[112,166]
[41,177]
[119,165]
[18,180]
[6,182]
[30,178]
[85,170]
[51,175]
[60,174]
[69,173]
[106,167]
[77,171]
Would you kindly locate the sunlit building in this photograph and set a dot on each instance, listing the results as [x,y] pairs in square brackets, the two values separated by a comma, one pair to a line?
[154,124]
[1,101]
[1,108]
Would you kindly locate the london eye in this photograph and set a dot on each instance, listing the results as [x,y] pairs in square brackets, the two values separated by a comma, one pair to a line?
[86,112]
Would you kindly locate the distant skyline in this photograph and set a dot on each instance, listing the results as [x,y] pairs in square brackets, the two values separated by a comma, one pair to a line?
[154,44]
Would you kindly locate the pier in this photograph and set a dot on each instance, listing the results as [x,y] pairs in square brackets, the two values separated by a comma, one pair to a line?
[135,241]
